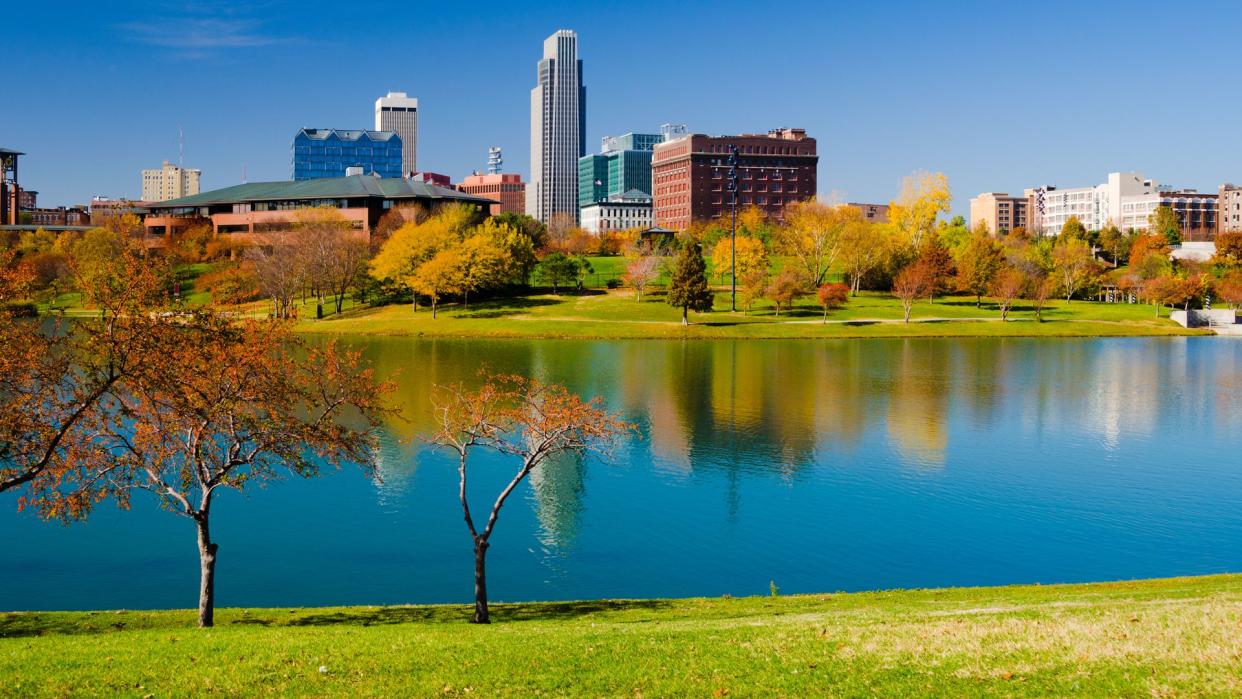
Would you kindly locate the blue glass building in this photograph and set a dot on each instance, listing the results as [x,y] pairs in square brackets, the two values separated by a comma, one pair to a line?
[319,153]
[623,165]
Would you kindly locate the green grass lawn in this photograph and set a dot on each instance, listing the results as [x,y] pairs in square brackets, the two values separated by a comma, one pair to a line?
[1174,637]
[617,314]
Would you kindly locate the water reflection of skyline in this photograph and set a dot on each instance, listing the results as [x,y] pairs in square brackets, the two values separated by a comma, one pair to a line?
[780,409]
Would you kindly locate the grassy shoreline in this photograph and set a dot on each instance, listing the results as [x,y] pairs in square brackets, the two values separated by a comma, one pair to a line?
[1175,636]
[617,315]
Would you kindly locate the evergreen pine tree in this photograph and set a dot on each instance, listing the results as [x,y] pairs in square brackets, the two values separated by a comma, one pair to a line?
[688,290]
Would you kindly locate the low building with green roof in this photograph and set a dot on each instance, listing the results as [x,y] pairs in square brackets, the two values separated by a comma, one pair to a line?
[258,207]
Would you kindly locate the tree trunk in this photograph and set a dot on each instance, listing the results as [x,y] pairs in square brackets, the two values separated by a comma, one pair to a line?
[907,311]
[685,315]
[465,300]
[481,615]
[433,308]
[825,315]
[207,574]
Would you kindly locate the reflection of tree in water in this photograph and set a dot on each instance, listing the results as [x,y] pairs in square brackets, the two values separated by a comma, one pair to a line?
[919,401]
[557,489]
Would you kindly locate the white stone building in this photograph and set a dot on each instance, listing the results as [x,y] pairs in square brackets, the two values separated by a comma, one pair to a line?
[618,213]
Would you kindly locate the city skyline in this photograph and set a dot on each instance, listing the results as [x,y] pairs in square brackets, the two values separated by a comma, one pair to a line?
[885,91]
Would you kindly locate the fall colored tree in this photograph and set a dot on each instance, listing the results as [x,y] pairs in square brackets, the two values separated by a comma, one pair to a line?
[525,224]
[1228,250]
[1164,223]
[688,288]
[1168,290]
[1230,289]
[865,247]
[785,288]
[1146,244]
[484,264]
[1039,289]
[938,266]
[528,421]
[812,236]
[438,277]
[832,296]
[1072,229]
[1074,265]
[909,285]
[978,264]
[922,198]
[642,269]
[1008,286]
[223,406]
[753,286]
[53,382]
[751,254]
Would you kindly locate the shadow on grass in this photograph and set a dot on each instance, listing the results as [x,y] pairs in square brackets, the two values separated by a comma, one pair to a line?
[501,613]
[27,624]
[500,308]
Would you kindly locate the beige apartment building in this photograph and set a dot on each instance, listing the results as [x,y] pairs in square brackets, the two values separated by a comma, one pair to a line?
[1000,212]
[169,182]
[1229,208]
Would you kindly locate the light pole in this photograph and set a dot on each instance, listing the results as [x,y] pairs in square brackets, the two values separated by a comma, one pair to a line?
[733,228]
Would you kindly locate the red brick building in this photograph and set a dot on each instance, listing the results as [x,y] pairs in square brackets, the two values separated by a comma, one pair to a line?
[690,175]
[506,188]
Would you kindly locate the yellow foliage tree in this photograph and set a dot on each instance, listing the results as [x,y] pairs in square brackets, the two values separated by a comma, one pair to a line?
[438,276]
[484,264]
[923,197]
[864,248]
[751,255]
[813,236]
[413,244]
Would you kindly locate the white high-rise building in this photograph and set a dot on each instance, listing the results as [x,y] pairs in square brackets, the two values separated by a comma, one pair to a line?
[1095,207]
[169,182]
[399,112]
[557,127]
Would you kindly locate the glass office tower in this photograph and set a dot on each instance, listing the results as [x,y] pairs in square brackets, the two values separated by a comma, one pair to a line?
[319,153]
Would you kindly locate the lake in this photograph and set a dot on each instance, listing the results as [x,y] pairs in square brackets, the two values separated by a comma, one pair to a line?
[817,465]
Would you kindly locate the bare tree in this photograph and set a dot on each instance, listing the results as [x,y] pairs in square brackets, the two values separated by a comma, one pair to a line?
[280,272]
[520,418]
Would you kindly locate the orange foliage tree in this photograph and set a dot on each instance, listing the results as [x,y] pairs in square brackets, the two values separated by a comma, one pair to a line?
[52,382]
[526,420]
[220,406]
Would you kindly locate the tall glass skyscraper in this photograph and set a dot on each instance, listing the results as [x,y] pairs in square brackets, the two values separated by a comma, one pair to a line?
[557,125]
[327,152]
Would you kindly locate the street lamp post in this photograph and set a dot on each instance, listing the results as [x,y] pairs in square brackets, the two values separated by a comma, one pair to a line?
[733,228]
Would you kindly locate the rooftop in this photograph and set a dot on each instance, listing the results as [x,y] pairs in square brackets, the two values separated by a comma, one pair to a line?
[348,134]
[325,188]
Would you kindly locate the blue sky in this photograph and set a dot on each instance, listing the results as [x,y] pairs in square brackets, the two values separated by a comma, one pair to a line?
[998,96]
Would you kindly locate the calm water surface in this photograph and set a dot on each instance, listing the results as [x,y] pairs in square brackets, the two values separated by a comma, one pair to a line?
[819,465]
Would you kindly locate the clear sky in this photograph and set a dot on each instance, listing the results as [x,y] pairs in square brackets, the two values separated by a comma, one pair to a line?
[999,96]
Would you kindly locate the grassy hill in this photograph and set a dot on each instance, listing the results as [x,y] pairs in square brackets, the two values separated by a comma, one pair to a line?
[1173,637]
